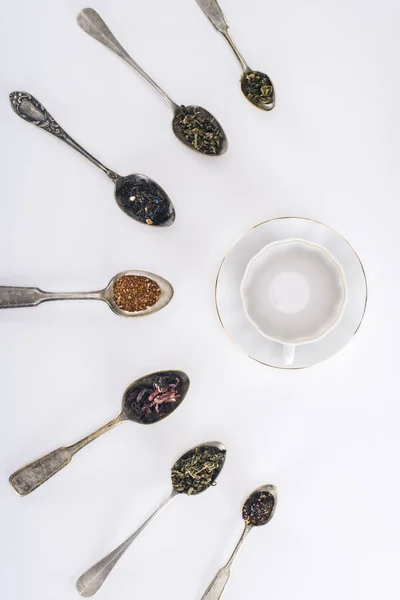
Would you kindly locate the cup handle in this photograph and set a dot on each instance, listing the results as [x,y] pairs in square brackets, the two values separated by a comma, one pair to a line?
[289,353]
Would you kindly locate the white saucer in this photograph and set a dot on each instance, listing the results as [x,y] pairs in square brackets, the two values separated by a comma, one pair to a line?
[291,293]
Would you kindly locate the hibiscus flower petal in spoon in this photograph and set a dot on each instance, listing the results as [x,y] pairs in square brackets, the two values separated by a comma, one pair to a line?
[147,400]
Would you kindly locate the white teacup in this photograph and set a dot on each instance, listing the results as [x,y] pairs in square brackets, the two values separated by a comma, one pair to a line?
[294,293]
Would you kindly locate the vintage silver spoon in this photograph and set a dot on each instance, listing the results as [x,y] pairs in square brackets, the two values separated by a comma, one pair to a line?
[18,297]
[92,580]
[147,400]
[256,86]
[138,196]
[193,125]
[258,510]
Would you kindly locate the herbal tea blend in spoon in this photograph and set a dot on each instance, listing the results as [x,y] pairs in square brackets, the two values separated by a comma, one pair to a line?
[138,196]
[192,125]
[147,400]
[192,474]
[129,294]
[258,510]
[256,86]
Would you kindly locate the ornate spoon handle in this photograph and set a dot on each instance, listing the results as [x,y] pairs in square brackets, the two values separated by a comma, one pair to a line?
[26,480]
[212,9]
[91,581]
[20,297]
[218,584]
[91,22]
[32,111]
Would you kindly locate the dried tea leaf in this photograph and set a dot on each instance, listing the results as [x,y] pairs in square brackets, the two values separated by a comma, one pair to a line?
[197,470]
[134,293]
[258,88]
[199,129]
[258,509]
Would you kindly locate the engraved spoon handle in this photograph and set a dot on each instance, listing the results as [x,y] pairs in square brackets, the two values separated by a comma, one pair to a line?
[91,581]
[212,9]
[91,22]
[32,111]
[218,584]
[20,297]
[26,480]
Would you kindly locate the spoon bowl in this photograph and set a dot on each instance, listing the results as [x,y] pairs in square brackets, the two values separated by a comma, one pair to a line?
[144,200]
[258,89]
[199,130]
[267,494]
[154,397]
[182,468]
[167,292]
[218,445]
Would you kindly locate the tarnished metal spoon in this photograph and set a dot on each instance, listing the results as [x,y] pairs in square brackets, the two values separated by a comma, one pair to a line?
[218,584]
[147,400]
[19,297]
[92,580]
[193,125]
[138,196]
[256,86]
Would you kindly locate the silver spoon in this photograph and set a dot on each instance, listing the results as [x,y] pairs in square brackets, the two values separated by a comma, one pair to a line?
[252,519]
[147,400]
[138,196]
[18,297]
[256,86]
[193,125]
[92,580]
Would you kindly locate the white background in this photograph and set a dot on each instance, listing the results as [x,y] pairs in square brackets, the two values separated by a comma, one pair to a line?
[327,437]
